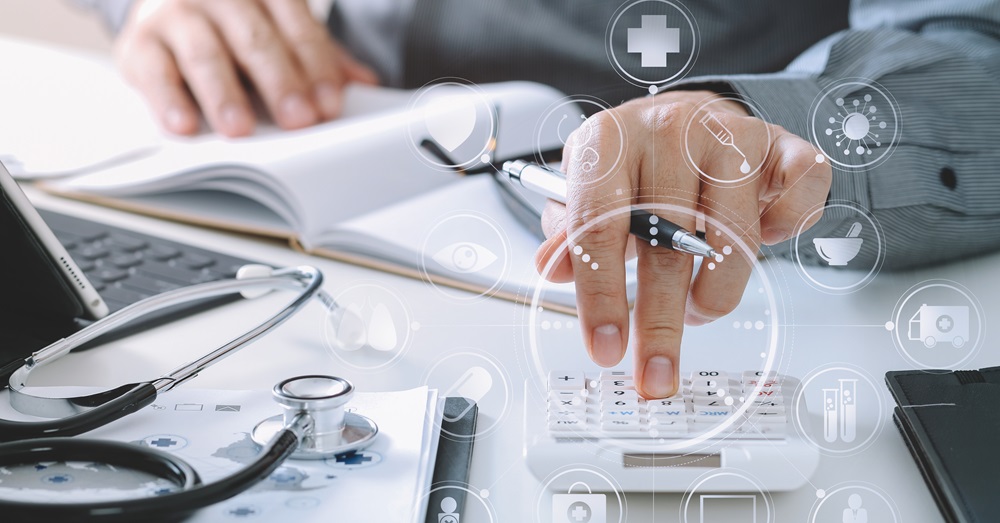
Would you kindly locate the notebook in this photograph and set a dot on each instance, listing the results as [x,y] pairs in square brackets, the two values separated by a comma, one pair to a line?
[358,189]
[950,423]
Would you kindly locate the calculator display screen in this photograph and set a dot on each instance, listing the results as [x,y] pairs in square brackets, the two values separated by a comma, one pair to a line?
[671,460]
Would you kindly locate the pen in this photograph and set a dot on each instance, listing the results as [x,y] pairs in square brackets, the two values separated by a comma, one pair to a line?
[645,225]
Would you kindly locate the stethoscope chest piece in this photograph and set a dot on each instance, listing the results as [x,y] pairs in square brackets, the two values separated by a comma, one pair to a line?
[320,402]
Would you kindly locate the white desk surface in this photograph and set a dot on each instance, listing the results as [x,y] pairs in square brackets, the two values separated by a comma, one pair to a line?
[494,326]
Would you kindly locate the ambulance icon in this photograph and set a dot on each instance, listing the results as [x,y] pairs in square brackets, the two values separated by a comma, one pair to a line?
[934,324]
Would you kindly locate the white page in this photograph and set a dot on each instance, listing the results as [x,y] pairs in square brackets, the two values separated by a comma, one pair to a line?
[189,423]
[64,111]
[401,234]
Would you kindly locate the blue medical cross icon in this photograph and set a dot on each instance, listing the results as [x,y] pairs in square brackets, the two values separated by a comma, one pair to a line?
[353,458]
[58,480]
[163,442]
[242,512]
[653,40]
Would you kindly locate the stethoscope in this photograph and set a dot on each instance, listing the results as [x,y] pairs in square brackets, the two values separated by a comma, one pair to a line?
[313,425]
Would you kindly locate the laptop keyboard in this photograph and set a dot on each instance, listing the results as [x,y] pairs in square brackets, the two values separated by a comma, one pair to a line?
[126,266]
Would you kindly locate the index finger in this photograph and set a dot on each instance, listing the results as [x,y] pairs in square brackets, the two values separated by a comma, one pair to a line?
[598,230]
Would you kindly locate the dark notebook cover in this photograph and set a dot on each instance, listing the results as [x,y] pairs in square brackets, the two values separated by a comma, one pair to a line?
[951,423]
[454,459]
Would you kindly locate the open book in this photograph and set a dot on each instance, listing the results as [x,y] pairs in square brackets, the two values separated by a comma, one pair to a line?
[360,189]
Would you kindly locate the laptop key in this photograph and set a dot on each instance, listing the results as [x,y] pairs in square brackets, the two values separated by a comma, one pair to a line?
[125,261]
[163,252]
[121,295]
[111,275]
[147,285]
[126,243]
[157,270]
[94,253]
[196,261]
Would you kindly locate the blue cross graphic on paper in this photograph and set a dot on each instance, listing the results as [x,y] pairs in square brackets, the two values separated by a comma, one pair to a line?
[353,458]
[163,442]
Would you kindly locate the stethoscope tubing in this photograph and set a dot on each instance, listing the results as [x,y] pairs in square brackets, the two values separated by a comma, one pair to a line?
[172,506]
[33,442]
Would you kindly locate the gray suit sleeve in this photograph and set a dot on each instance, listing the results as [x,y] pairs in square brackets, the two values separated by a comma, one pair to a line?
[113,12]
[937,196]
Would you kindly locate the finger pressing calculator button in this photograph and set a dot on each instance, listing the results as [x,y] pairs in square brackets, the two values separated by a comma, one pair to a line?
[567,381]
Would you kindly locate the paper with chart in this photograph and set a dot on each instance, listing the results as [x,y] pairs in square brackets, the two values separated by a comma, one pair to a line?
[210,429]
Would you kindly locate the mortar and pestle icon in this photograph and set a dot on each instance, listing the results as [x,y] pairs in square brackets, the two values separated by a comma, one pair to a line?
[839,251]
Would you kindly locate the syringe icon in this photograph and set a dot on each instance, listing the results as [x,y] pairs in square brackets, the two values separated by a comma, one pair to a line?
[724,136]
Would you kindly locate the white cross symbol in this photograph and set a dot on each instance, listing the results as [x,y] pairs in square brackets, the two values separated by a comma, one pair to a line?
[579,513]
[944,324]
[654,40]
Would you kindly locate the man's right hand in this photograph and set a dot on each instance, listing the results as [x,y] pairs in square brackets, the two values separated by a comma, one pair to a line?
[183,55]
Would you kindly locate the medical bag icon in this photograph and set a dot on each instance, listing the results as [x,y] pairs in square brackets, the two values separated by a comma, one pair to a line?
[579,508]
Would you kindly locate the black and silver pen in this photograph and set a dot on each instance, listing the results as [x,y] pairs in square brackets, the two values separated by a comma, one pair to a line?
[645,225]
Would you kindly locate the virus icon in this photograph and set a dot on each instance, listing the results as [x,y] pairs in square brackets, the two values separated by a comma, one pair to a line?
[856,126]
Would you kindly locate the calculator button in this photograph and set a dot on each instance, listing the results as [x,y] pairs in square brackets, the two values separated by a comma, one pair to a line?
[620,414]
[661,428]
[621,425]
[566,415]
[767,395]
[711,414]
[567,424]
[617,384]
[671,403]
[567,381]
[618,404]
[610,395]
[719,375]
[567,399]
[668,416]
[608,375]
[769,417]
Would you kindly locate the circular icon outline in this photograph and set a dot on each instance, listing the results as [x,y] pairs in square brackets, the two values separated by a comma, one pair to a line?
[974,304]
[652,84]
[578,100]
[705,439]
[416,107]
[754,109]
[872,272]
[799,409]
[501,371]
[864,83]
[818,504]
[447,289]
[329,331]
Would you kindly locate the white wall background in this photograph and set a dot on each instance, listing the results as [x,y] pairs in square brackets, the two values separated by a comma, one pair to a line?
[56,21]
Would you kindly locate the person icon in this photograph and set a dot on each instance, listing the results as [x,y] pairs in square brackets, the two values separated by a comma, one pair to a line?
[854,513]
[449,512]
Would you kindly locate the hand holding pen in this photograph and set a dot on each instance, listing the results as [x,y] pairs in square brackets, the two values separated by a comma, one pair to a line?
[761,204]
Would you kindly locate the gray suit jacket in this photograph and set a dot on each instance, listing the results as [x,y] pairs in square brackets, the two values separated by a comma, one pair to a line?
[937,196]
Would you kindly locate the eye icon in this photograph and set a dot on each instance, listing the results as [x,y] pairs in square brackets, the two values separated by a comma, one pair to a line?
[465,257]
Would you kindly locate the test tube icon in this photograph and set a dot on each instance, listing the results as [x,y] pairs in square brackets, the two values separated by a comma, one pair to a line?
[831,409]
[848,409]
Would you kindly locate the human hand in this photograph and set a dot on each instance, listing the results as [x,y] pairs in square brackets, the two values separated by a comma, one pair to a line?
[653,170]
[183,55]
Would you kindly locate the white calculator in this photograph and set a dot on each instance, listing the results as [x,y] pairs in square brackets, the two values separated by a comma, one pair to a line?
[718,421]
